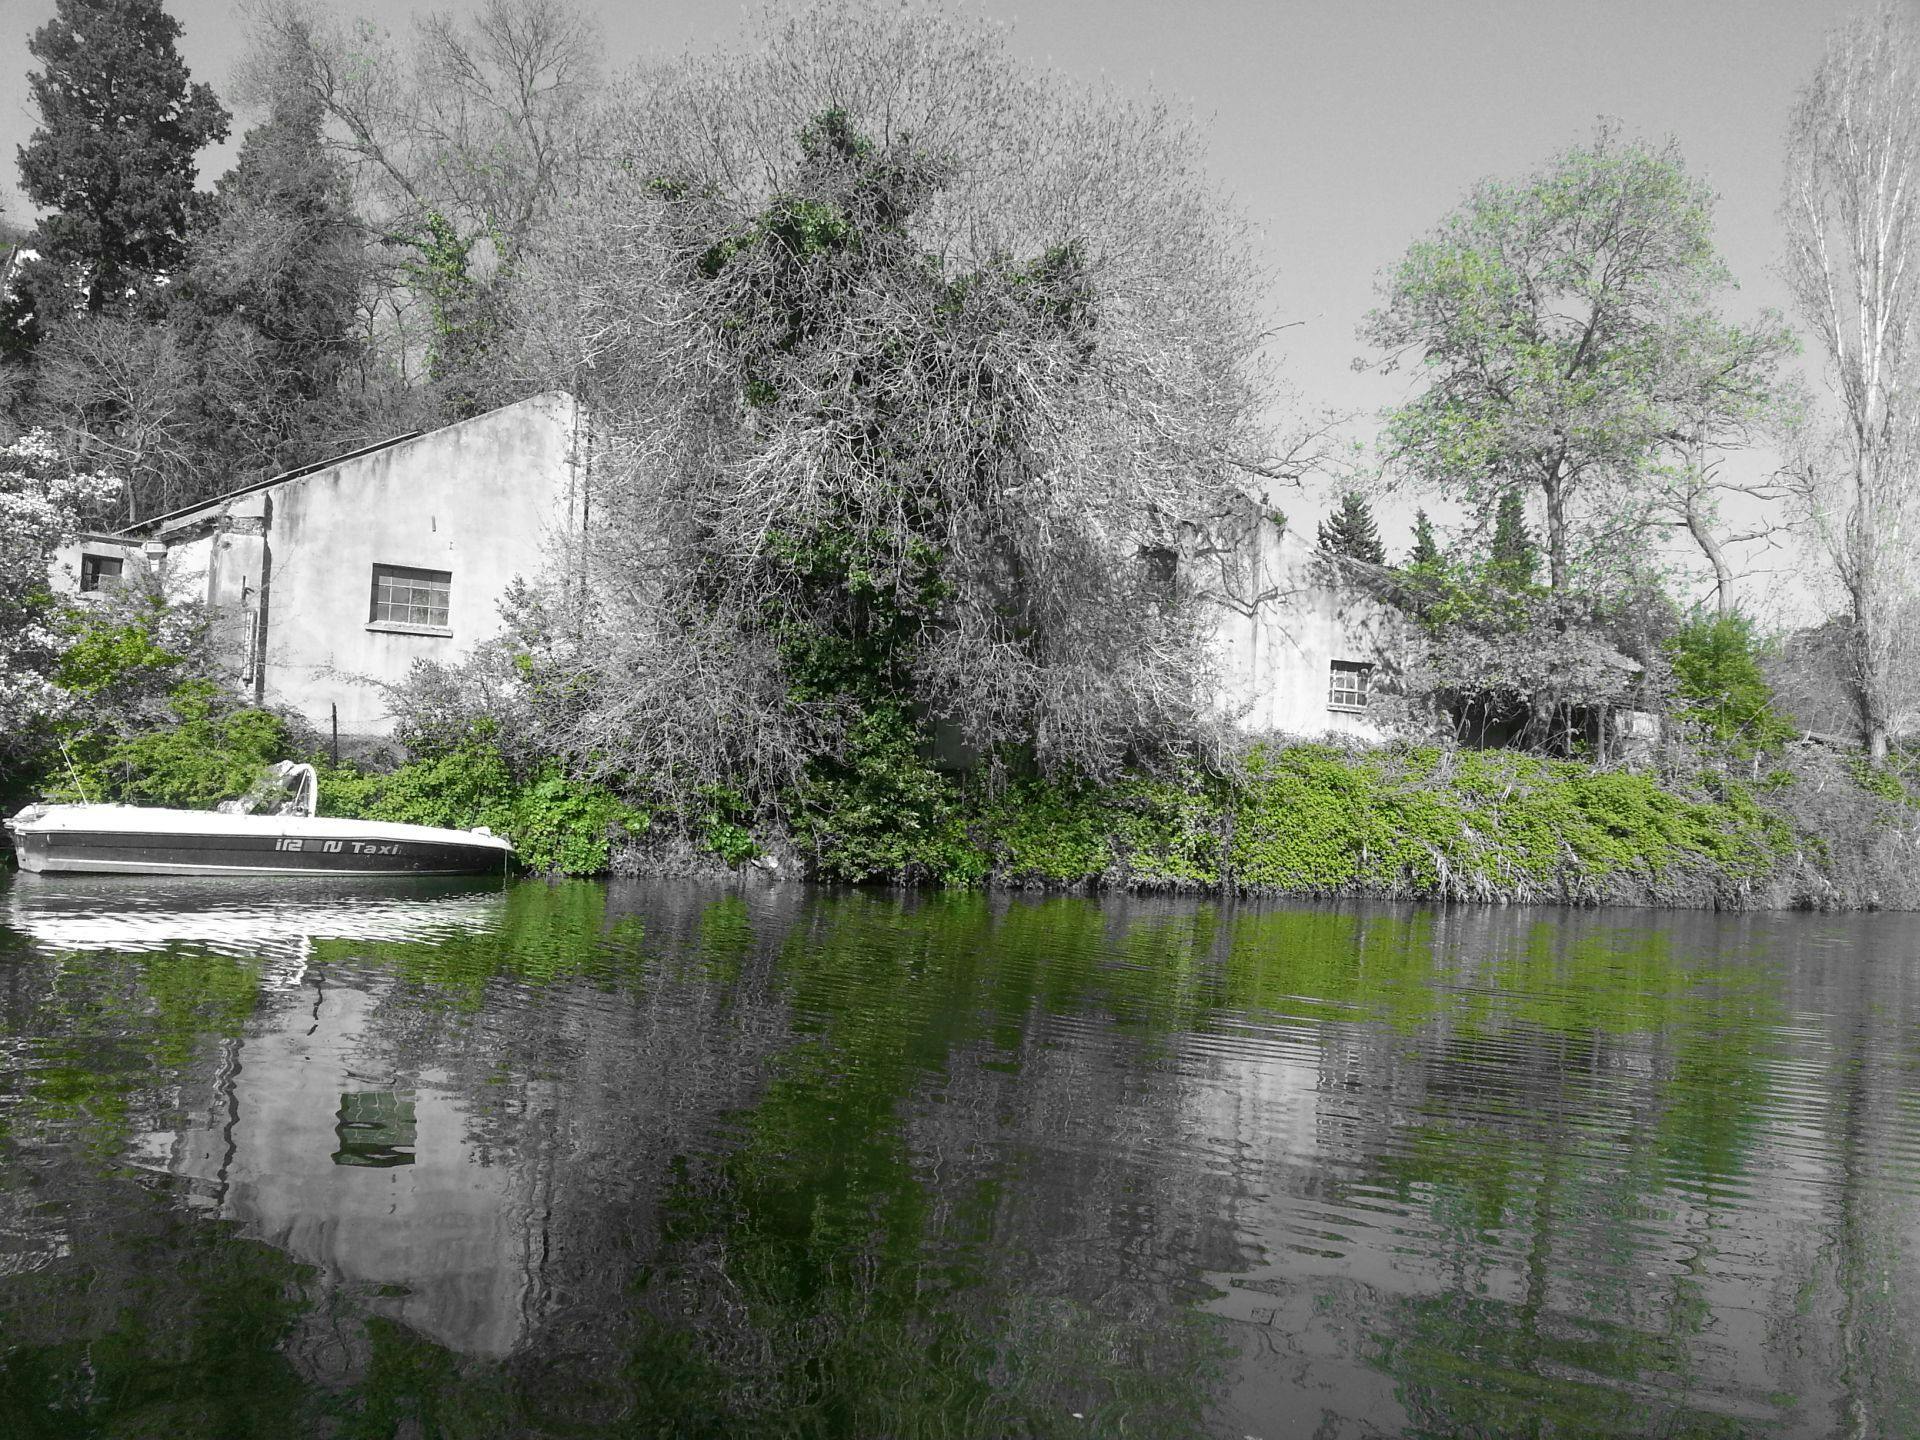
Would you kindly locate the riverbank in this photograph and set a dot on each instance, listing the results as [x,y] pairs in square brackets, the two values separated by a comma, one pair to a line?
[1811,830]
[1396,823]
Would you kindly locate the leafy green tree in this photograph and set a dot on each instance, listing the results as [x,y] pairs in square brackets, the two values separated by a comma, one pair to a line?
[1513,559]
[112,160]
[1551,315]
[1350,532]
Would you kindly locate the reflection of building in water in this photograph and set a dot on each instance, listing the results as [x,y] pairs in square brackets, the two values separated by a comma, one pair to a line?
[320,1141]
[466,1163]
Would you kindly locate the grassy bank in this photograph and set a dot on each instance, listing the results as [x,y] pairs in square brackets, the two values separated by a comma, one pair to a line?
[1415,823]
[1402,822]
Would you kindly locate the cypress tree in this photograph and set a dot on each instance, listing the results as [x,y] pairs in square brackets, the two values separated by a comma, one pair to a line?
[111,162]
[1513,559]
[1426,550]
[270,297]
[1350,532]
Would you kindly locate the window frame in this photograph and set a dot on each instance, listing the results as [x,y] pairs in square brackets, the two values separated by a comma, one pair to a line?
[90,570]
[1349,699]
[413,615]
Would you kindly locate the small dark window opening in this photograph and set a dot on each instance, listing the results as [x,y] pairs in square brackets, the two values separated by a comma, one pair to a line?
[1349,683]
[1162,567]
[100,572]
[402,596]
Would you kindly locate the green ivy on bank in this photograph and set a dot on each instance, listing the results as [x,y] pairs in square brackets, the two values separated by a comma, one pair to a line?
[1398,822]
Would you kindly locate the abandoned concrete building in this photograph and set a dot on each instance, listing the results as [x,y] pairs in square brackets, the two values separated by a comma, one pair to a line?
[328,583]
[1302,650]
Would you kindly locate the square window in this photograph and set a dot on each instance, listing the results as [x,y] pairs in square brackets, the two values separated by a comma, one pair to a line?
[402,596]
[1348,685]
[100,572]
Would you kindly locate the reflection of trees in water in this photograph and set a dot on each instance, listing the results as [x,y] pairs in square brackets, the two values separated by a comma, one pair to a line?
[866,1259]
[1845,1298]
[804,1164]
[1582,1121]
[753,1178]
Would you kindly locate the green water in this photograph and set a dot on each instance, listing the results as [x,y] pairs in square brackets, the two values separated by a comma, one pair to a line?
[679,1161]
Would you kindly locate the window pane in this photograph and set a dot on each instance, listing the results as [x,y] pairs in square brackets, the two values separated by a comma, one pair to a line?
[405,596]
[375,1130]
[1347,684]
[100,571]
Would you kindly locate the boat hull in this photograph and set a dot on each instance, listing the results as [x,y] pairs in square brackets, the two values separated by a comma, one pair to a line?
[147,845]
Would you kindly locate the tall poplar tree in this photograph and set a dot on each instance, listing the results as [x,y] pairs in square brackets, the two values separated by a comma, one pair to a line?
[112,161]
[1852,214]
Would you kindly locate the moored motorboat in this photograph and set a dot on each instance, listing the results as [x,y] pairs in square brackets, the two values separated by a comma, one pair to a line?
[143,840]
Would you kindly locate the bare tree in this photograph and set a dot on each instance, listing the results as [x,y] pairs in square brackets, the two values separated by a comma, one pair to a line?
[121,394]
[1852,213]
[484,120]
[1726,393]
[890,339]
[461,136]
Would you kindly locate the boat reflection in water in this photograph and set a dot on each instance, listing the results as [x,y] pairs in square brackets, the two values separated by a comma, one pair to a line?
[243,917]
[312,1133]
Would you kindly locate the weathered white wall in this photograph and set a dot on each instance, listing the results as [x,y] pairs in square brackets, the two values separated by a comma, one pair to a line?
[1283,618]
[480,500]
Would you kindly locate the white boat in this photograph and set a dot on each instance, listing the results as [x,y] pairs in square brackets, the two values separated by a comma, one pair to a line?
[147,840]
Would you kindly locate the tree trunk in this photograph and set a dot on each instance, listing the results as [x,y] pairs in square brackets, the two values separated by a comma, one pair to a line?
[1557,564]
[1869,670]
[1702,534]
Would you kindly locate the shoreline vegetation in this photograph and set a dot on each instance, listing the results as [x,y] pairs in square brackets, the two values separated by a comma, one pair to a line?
[1729,811]
[1301,820]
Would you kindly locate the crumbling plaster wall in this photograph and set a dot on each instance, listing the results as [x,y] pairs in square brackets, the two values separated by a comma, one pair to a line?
[1284,614]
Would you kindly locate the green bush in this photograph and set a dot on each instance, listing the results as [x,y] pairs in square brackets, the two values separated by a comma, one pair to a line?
[202,748]
[1134,832]
[1719,686]
[556,824]
[1479,824]
[1306,819]
[883,812]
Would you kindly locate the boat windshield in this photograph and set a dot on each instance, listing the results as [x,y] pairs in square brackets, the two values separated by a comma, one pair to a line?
[285,789]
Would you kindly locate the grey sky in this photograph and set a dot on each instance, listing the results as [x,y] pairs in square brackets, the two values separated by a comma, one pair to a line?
[1344,127]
